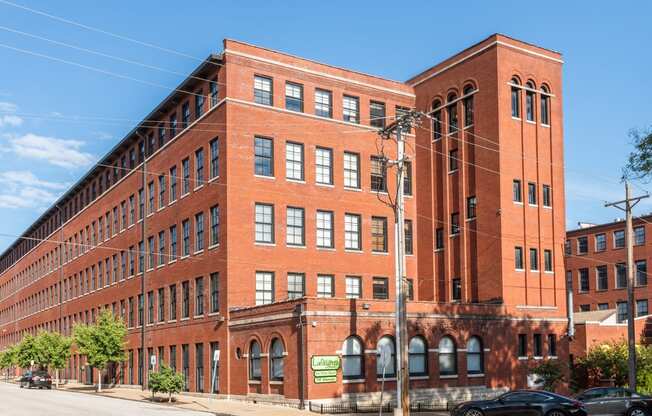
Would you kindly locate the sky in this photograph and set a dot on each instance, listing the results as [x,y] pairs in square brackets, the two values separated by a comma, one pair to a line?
[57,119]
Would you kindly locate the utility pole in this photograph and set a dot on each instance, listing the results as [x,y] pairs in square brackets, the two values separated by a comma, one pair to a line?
[401,124]
[626,205]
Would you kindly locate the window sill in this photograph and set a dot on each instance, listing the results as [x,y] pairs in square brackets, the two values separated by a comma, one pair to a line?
[419,378]
[532,205]
[185,195]
[386,379]
[301,181]
[198,187]
[454,235]
[150,214]
[326,249]
[213,246]
[276,382]
[471,219]
[522,358]
[198,316]
[450,377]
[161,208]
[538,357]
[534,271]
[253,382]
[439,250]
[184,319]
[552,357]
[353,250]
[547,207]
[171,321]
[354,381]
[294,246]
[325,185]
[517,203]
[198,252]
[545,125]
[380,253]
[214,179]
[519,270]
[450,172]
[347,188]
[479,375]
[269,178]
[516,118]
[549,272]
[257,243]
[172,202]
[531,122]
[172,261]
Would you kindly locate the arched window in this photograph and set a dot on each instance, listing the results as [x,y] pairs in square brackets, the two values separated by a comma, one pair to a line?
[352,358]
[418,357]
[436,120]
[529,101]
[254,361]
[453,123]
[545,105]
[516,98]
[276,360]
[468,106]
[474,356]
[386,357]
[447,356]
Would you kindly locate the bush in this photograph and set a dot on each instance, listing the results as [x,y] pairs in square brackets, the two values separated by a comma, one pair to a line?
[552,373]
[166,380]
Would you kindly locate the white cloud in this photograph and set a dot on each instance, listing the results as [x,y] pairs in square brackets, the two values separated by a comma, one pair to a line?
[64,153]
[22,189]
[102,135]
[27,178]
[10,120]
[7,107]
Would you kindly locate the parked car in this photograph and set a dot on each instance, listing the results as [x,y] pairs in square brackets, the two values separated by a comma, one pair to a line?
[615,401]
[522,403]
[38,379]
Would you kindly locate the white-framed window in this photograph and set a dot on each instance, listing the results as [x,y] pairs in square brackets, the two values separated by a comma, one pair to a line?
[324,225]
[619,239]
[324,165]
[352,230]
[264,288]
[294,161]
[263,90]
[295,219]
[351,170]
[296,285]
[386,357]
[353,287]
[264,219]
[418,356]
[351,109]
[325,286]
[323,103]
[352,358]
[294,96]
[639,235]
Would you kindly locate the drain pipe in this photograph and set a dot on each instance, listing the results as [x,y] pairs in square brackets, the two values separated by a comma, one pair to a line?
[569,305]
[302,355]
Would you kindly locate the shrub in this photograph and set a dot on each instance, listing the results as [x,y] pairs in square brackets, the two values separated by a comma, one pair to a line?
[166,380]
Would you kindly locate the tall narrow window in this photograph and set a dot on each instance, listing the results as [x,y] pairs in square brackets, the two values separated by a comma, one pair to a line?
[436,120]
[439,238]
[185,299]
[199,367]
[418,357]
[277,356]
[545,106]
[455,223]
[471,207]
[529,101]
[407,178]
[185,165]
[296,285]
[518,258]
[294,161]
[323,103]
[408,237]
[295,219]
[173,125]
[641,273]
[377,114]
[173,184]
[215,292]
[532,193]
[294,96]
[602,277]
[161,191]
[199,167]
[352,229]
[468,106]
[199,104]
[325,286]
[351,170]
[547,196]
[378,174]
[151,202]
[380,288]
[324,165]
[185,227]
[474,356]
[453,160]
[199,296]
[451,110]
[264,223]
[534,260]
[351,109]
[263,156]
[199,231]
[215,158]
[173,243]
[161,248]
[173,302]
[185,115]
[516,191]
[552,345]
[516,98]
[324,223]
[639,235]
[264,288]
[352,358]
[619,239]
[447,356]
[215,225]
[213,87]
[379,234]
[386,358]
[353,287]
[255,371]
[583,278]
[547,260]
[522,345]
[538,345]
[621,311]
[456,289]
[263,90]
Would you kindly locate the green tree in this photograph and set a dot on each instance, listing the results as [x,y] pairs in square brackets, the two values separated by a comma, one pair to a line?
[639,162]
[27,352]
[8,358]
[53,350]
[102,343]
[551,372]
[166,380]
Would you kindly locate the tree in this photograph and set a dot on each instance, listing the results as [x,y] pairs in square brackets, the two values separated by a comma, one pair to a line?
[27,352]
[639,162]
[53,350]
[102,343]
[551,372]
[8,358]
[166,380]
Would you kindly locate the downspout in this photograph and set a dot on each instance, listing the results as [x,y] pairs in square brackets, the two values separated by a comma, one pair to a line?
[569,306]
[302,355]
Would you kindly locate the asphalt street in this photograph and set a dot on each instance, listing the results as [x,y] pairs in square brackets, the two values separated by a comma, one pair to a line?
[15,401]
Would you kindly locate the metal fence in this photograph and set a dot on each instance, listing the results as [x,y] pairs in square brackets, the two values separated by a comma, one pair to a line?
[342,408]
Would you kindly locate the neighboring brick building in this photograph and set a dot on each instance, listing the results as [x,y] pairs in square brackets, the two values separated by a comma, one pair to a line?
[270,243]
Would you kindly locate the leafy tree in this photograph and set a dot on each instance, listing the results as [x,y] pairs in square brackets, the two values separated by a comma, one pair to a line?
[639,162]
[166,380]
[53,350]
[8,358]
[103,342]
[27,352]
[551,372]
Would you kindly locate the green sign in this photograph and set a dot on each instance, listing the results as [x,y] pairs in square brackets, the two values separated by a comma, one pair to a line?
[320,380]
[325,373]
[325,362]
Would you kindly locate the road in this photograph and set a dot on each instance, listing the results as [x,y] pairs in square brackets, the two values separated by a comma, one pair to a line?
[15,401]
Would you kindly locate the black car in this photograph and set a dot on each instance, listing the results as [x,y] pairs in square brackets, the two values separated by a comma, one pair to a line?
[615,401]
[522,403]
[38,379]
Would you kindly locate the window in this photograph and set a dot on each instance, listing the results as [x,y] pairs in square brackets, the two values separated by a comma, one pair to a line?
[185,165]
[215,292]
[621,276]
[351,109]
[583,276]
[518,258]
[173,302]
[264,288]
[455,223]
[522,345]
[456,288]
[600,242]
[215,158]
[199,104]
[323,103]
[294,97]
[161,191]
[185,115]
[151,202]
[439,238]
[585,308]
[173,357]
[295,234]
[173,243]
[141,256]
[263,157]
[619,239]
[407,178]
[451,110]
[547,196]
[377,114]
[538,345]
[325,287]
[264,223]
[380,288]
[474,356]
[621,311]
[215,225]
[603,306]
[294,161]
[552,345]
[262,90]
[352,230]
[408,237]
[199,231]
[296,285]
[532,193]
[436,120]
[386,358]
[378,174]
[185,225]
[602,277]
[547,260]
[150,307]
[516,98]
[353,287]
[324,166]
[213,88]
[417,356]
[545,106]
[351,170]
[173,125]
[324,225]
[471,205]
[255,372]
[141,309]
[185,299]
[161,304]
[452,160]
[641,273]
[468,106]
[447,356]
[567,248]
[352,358]
[199,367]
[199,167]
[277,355]
[199,296]
[639,236]
[161,248]
[529,102]
[641,307]
[516,191]
[173,184]
[379,234]
[582,245]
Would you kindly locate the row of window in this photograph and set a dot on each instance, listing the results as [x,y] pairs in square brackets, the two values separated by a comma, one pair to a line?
[530,101]
[532,193]
[602,276]
[519,261]
[600,241]
[450,110]
[537,345]
[641,308]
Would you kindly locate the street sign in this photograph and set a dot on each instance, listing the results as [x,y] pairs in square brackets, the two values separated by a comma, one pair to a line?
[325,373]
[325,362]
[152,360]
[321,380]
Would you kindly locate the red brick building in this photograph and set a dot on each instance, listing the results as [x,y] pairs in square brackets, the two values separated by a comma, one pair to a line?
[243,215]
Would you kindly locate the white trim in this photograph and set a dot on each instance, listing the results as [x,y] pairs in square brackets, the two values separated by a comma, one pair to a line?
[480,375]
[419,378]
[450,377]
[354,381]
[319,73]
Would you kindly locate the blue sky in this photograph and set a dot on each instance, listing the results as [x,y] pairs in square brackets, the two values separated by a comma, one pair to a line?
[53,117]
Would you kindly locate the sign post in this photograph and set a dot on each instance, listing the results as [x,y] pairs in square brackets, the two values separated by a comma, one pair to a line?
[216,359]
